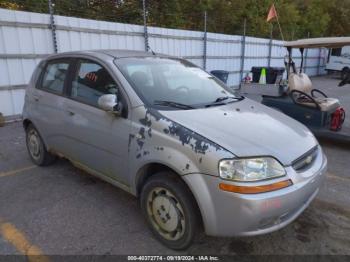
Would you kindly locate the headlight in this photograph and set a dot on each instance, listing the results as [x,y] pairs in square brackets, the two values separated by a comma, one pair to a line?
[250,169]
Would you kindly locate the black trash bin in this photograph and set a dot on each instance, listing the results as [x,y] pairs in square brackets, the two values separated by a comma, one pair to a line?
[221,74]
[271,73]
[256,73]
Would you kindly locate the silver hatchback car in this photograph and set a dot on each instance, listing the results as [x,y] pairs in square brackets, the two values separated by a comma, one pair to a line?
[171,134]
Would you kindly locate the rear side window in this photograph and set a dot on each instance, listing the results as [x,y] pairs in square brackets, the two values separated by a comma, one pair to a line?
[54,76]
[92,81]
[336,52]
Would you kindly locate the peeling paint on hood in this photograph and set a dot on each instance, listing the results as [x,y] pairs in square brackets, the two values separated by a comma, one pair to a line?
[247,128]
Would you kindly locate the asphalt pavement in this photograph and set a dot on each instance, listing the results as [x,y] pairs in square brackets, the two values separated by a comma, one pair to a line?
[60,210]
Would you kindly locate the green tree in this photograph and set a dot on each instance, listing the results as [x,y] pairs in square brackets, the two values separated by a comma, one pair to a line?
[39,6]
[339,24]
[298,18]
[314,18]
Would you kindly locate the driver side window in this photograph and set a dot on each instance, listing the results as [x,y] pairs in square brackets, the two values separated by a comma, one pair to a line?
[92,81]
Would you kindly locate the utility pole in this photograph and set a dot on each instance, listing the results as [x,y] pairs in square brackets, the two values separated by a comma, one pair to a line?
[205,42]
[306,53]
[242,52]
[319,60]
[145,31]
[270,46]
[53,26]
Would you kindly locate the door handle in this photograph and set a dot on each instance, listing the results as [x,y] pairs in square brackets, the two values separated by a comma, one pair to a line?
[71,113]
[36,98]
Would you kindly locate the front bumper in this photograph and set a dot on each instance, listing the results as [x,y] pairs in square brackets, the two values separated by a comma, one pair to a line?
[233,214]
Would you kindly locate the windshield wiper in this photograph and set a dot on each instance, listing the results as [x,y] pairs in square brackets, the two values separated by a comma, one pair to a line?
[220,100]
[172,104]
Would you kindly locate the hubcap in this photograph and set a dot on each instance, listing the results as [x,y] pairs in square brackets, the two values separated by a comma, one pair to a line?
[34,144]
[166,213]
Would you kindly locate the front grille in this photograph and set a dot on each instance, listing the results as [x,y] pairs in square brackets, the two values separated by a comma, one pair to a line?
[305,161]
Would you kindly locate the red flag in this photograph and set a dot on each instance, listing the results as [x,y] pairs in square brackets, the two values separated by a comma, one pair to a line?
[272,13]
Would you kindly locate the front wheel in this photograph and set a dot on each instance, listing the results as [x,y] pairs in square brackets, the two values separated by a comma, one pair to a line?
[170,210]
[36,147]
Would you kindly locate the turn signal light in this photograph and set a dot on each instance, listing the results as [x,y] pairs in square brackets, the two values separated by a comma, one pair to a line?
[255,189]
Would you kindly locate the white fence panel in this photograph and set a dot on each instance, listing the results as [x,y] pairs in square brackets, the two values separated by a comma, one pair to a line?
[26,37]
[11,102]
[224,53]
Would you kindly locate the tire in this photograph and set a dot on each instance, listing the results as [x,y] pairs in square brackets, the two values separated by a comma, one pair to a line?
[36,148]
[170,210]
[344,72]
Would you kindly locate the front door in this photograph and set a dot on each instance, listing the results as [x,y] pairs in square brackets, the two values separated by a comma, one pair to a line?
[97,139]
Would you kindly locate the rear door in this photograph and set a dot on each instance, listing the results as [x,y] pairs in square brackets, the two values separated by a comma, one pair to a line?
[48,102]
[98,140]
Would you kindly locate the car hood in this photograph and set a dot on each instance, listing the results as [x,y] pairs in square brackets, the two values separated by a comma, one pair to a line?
[247,128]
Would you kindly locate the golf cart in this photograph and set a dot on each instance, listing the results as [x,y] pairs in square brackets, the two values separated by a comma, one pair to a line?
[298,98]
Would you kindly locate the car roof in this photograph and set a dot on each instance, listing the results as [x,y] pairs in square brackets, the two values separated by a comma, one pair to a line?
[115,53]
[127,53]
[330,42]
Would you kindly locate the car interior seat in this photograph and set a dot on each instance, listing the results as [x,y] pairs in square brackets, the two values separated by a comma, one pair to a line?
[86,89]
[58,82]
[301,91]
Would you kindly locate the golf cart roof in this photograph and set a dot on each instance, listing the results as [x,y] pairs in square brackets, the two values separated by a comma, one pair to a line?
[329,42]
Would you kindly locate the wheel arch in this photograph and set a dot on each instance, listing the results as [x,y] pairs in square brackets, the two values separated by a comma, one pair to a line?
[150,169]
[26,122]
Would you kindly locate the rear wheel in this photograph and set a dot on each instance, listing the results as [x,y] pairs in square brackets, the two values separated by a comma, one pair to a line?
[345,72]
[170,210]
[36,147]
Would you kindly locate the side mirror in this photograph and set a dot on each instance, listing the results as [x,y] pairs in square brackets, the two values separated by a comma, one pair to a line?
[109,103]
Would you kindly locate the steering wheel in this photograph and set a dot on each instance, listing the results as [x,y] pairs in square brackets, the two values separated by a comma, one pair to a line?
[319,92]
[300,97]
[182,88]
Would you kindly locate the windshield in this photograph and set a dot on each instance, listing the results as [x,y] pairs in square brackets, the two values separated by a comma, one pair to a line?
[173,83]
